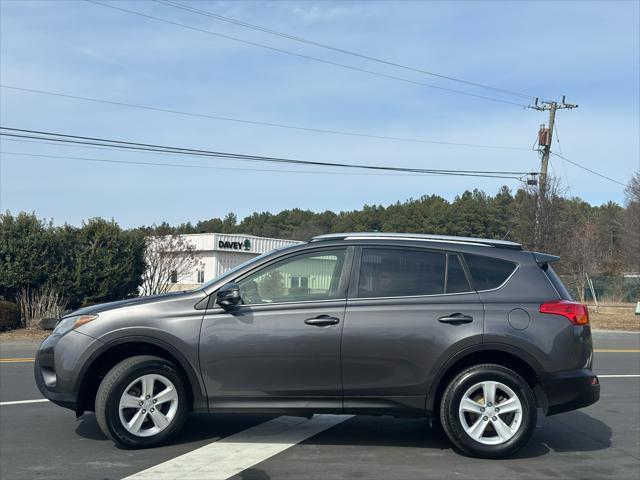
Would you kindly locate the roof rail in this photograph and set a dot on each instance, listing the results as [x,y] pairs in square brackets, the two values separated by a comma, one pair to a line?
[487,242]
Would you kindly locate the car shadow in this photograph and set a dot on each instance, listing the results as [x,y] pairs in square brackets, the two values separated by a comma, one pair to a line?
[87,427]
[253,474]
[573,432]
[569,432]
[198,427]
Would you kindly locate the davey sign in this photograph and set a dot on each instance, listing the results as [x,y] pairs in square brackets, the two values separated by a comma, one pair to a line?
[228,245]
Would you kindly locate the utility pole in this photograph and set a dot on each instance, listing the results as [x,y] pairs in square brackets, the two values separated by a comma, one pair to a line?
[545,136]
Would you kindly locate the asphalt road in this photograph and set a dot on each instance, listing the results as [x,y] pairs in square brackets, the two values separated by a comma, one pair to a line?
[41,440]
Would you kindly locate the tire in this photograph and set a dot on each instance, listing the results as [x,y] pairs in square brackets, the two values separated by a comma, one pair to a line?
[489,438]
[153,420]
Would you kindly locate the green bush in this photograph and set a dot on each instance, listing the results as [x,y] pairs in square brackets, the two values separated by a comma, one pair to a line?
[97,262]
[9,315]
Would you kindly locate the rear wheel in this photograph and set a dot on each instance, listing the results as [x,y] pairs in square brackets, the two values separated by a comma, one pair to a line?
[141,402]
[488,411]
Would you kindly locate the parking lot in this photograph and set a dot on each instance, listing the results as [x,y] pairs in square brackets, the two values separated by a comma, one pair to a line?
[41,440]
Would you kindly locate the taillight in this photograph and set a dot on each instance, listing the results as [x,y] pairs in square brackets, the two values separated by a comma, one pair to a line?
[577,313]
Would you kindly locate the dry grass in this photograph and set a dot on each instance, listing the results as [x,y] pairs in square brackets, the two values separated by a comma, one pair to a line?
[24,334]
[614,317]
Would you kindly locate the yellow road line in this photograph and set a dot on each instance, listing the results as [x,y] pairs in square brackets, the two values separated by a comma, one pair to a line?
[17,360]
[617,350]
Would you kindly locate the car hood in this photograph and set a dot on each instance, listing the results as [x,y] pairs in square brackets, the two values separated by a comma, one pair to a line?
[103,307]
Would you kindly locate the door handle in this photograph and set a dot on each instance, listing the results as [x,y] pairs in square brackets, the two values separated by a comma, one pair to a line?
[456,319]
[322,321]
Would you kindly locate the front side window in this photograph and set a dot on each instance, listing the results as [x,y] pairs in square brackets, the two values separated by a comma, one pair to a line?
[396,273]
[487,272]
[307,277]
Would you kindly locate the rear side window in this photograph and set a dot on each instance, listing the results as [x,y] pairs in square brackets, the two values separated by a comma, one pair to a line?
[396,273]
[487,272]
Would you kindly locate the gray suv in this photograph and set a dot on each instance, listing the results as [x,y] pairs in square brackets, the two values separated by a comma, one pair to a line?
[475,333]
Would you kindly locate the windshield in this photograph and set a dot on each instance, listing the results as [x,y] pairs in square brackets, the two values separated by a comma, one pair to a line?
[230,273]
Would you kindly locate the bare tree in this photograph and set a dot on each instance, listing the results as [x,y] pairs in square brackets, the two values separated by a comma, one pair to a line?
[543,215]
[167,258]
[582,260]
[38,304]
[631,225]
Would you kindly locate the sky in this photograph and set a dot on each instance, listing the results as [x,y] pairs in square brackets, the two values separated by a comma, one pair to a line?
[588,51]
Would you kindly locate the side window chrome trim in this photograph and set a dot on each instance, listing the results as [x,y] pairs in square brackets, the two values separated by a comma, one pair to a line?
[503,283]
[472,292]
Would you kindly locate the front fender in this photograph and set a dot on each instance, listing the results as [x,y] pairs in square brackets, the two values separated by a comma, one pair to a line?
[184,352]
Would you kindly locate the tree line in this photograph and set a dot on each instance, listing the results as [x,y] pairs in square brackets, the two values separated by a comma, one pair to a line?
[99,261]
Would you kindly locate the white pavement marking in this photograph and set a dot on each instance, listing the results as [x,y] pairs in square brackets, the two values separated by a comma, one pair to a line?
[21,402]
[233,454]
[618,376]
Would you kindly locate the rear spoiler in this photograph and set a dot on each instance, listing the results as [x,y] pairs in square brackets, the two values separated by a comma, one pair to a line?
[545,258]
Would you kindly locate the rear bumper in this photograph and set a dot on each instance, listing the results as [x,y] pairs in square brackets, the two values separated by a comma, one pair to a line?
[570,390]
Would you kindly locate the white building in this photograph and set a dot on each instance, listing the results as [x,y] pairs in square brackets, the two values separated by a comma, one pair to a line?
[219,252]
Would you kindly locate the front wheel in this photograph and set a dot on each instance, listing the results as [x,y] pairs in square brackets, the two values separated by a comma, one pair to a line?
[141,402]
[488,411]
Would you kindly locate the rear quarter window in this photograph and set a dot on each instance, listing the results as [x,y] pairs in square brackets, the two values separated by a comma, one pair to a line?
[487,272]
[556,282]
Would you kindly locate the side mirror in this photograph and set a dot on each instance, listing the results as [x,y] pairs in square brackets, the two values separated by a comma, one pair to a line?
[228,296]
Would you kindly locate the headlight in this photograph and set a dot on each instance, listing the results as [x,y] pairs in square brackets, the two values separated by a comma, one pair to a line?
[69,323]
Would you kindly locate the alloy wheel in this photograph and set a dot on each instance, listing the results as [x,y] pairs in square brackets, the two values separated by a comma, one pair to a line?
[148,405]
[490,412]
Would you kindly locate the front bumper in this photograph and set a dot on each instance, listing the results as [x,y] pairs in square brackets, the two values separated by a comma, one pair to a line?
[59,364]
[570,390]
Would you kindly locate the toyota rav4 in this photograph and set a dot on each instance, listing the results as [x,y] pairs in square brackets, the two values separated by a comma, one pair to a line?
[476,334]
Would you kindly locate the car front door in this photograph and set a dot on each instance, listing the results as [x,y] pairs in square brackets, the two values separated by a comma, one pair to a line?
[280,347]
[407,310]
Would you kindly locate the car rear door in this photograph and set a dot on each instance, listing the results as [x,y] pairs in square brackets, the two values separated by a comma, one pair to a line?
[280,349]
[408,310]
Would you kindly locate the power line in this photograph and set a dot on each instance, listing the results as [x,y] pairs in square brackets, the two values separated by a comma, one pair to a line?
[104,147]
[307,57]
[205,153]
[260,123]
[161,152]
[208,167]
[336,49]
[588,169]
[83,140]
